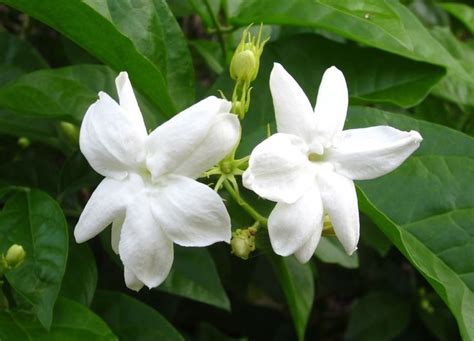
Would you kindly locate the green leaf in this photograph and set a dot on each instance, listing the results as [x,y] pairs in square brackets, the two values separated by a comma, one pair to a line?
[211,53]
[72,322]
[330,250]
[297,283]
[64,93]
[386,25]
[34,220]
[17,57]
[378,316]
[141,37]
[426,208]
[462,12]
[131,319]
[194,275]
[80,279]
[455,87]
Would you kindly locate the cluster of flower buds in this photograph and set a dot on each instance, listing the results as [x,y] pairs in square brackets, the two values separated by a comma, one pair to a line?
[244,68]
[243,242]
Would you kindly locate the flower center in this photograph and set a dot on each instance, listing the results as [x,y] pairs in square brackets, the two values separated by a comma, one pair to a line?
[314,157]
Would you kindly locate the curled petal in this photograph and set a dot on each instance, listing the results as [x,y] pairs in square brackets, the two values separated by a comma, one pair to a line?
[171,145]
[128,102]
[304,253]
[293,111]
[108,202]
[279,169]
[144,248]
[368,153]
[111,139]
[190,213]
[290,226]
[331,105]
[132,281]
[219,141]
[340,203]
[116,231]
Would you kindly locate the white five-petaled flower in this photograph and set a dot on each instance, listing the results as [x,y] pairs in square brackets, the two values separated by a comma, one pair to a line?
[308,167]
[149,193]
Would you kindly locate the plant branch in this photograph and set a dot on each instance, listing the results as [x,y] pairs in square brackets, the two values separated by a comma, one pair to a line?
[246,206]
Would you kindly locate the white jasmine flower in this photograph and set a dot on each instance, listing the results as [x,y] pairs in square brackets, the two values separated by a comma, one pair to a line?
[308,167]
[149,193]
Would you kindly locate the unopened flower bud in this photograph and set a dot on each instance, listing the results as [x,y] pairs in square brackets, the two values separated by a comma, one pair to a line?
[243,242]
[15,256]
[23,142]
[71,132]
[244,65]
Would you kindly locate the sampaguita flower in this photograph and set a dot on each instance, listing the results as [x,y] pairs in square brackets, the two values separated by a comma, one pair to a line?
[308,167]
[149,193]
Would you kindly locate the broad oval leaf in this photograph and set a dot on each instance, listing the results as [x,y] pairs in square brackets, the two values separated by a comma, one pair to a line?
[378,316]
[387,25]
[426,208]
[297,283]
[194,275]
[462,12]
[17,57]
[34,220]
[72,322]
[141,37]
[64,93]
[80,279]
[133,320]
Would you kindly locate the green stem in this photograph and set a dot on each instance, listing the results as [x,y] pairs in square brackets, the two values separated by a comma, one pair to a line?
[220,34]
[245,205]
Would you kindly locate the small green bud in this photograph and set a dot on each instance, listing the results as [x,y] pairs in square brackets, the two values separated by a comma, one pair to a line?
[243,242]
[246,59]
[24,142]
[15,256]
[244,65]
[71,132]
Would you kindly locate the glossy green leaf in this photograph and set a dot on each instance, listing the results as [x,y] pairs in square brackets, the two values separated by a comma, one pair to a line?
[330,250]
[297,283]
[454,87]
[378,316]
[141,37]
[194,275]
[34,220]
[64,93]
[426,208]
[210,53]
[131,319]
[17,57]
[387,25]
[72,322]
[80,279]
[462,12]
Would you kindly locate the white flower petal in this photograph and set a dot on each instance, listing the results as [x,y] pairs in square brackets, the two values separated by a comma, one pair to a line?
[218,143]
[111,139]
[279,169]
[290,226]
[190,213]
[304,253]
[173,143]
[367,153]
[132,281]
[331,105]
[129,102]
[144,248]
[108,202]
[116,231]
[293,111]
[340,203]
